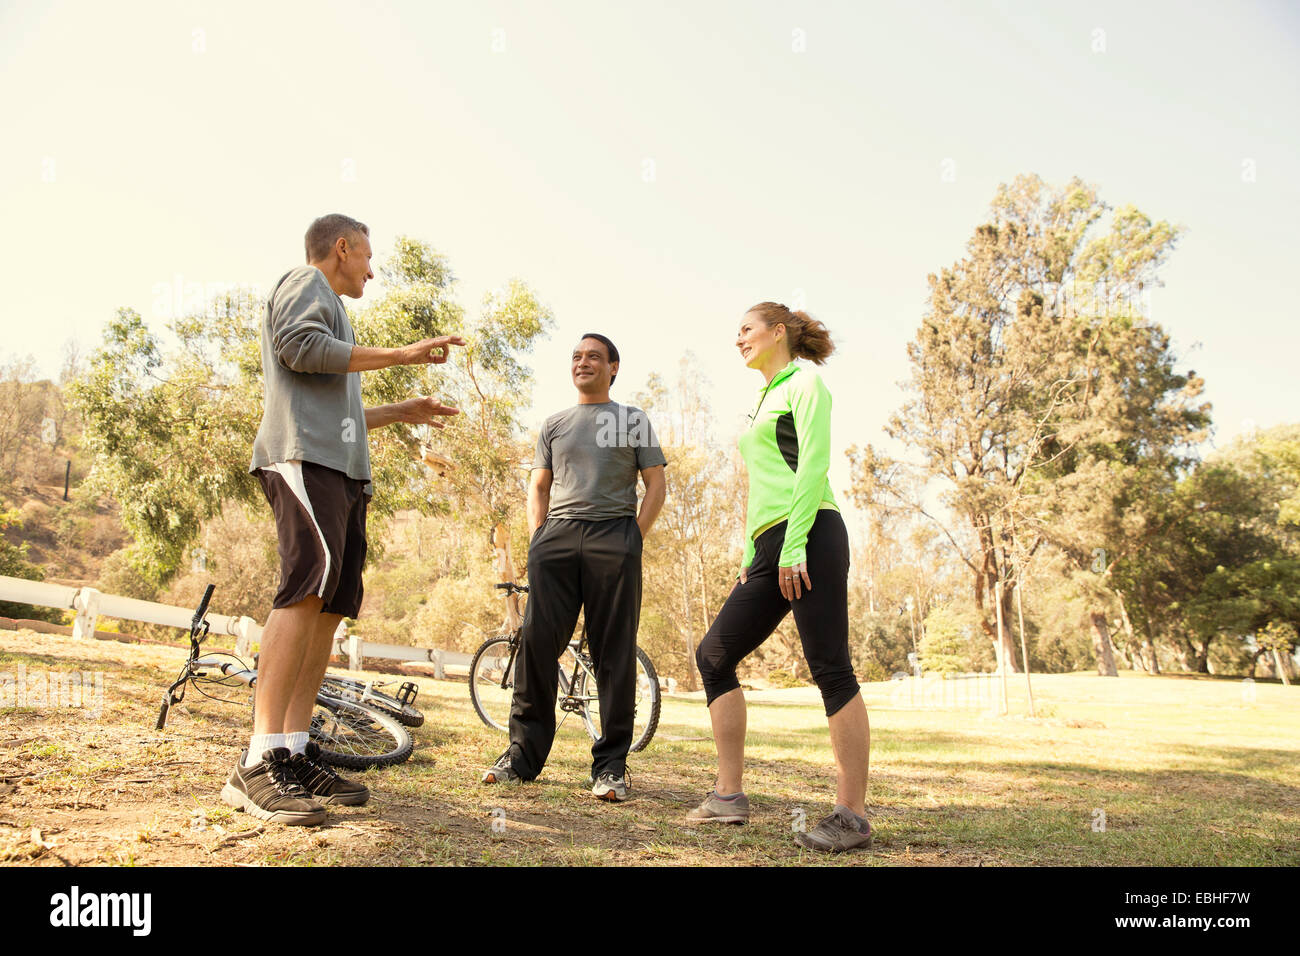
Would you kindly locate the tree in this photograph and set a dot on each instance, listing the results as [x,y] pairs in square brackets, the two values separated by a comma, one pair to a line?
[943,649]
[1221,562]
[1277,640]
[170,435]
[172,432]
[38,431]
[484,445]
[1040,404]
[691,560]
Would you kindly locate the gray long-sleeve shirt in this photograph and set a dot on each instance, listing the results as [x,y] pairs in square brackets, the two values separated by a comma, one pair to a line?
[313,408]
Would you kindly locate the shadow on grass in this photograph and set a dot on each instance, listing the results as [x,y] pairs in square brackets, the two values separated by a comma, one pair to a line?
[929,740]
[1242,758]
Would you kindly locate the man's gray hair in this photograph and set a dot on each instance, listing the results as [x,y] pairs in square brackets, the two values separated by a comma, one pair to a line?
[325,231]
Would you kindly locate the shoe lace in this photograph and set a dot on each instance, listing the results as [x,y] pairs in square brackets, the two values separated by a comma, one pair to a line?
[840,821]
[314,772]
[284,779]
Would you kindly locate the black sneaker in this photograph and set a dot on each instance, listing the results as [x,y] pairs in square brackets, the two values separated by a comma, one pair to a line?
[271,791]
[320,780]
[502,771]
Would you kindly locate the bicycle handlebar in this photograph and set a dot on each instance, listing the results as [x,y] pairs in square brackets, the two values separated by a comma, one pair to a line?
[510,586]
[203,607]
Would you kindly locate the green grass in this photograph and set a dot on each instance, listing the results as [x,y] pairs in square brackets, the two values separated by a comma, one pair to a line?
[1186,772]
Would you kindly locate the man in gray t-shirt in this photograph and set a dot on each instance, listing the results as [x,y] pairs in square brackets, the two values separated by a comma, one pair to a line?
[594,452]
[311,460]
[585,553]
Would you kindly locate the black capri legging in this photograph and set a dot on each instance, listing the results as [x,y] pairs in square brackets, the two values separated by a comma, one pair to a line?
[754,609]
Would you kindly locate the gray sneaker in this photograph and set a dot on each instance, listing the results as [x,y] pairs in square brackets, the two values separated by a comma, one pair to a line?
[838,832]
[502,771]
[609,787]
[716,810]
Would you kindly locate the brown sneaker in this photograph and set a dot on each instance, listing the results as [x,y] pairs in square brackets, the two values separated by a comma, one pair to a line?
[323,783]
[837,833]
[716,810]
[271,791]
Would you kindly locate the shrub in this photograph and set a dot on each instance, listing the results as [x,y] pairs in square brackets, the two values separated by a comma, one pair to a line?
[783,678]
[121,574]
[872,671]
[14,564]
[945,644]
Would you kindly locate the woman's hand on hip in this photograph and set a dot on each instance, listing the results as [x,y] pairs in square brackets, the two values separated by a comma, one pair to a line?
[794,580]
[744,574]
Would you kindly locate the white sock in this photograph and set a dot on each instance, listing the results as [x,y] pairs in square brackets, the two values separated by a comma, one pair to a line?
[297,743]
[259,744]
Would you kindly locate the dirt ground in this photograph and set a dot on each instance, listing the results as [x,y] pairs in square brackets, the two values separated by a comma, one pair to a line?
[1187,772]
[80,789]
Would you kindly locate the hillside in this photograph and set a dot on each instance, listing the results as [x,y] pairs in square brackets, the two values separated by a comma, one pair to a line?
[68,539]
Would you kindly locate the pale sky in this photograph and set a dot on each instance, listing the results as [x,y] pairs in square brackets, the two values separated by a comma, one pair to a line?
[653,172]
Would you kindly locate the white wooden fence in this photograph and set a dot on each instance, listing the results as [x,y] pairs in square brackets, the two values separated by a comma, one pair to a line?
[90,604]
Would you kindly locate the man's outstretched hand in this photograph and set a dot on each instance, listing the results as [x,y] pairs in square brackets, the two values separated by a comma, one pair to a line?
[424,411]
[431,351]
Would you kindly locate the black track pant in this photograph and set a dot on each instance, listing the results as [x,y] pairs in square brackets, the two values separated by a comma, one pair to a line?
[754,609]
[595,566]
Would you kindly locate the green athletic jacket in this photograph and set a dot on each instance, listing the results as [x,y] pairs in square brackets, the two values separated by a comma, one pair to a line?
[787,452]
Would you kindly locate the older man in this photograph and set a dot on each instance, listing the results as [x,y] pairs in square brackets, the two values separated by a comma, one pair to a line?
[312,460]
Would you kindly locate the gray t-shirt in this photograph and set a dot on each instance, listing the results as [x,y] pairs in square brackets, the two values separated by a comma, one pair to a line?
[595,453]
[313,409]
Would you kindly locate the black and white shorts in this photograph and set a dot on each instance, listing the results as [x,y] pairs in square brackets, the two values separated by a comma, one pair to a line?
[320,518]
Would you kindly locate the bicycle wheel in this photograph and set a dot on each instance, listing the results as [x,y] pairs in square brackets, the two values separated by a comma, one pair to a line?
[492,682]
[645,705]
[357,737]
[648,702]
[358,692]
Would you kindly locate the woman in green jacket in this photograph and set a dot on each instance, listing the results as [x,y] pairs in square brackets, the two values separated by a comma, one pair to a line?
[795,540]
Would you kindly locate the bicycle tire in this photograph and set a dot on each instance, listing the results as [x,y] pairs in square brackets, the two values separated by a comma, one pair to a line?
[356,737]
[354,690]
[656,701]
[488,702]
[647,696]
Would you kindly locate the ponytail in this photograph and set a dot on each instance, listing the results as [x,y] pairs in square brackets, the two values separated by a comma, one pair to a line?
[809,337]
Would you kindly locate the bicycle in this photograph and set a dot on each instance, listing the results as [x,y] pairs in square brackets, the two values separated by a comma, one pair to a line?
[491,684]
[399,706]
[350,733]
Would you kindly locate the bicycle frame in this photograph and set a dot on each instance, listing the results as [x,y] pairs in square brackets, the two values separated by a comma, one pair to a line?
[571,702]
[578,690]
